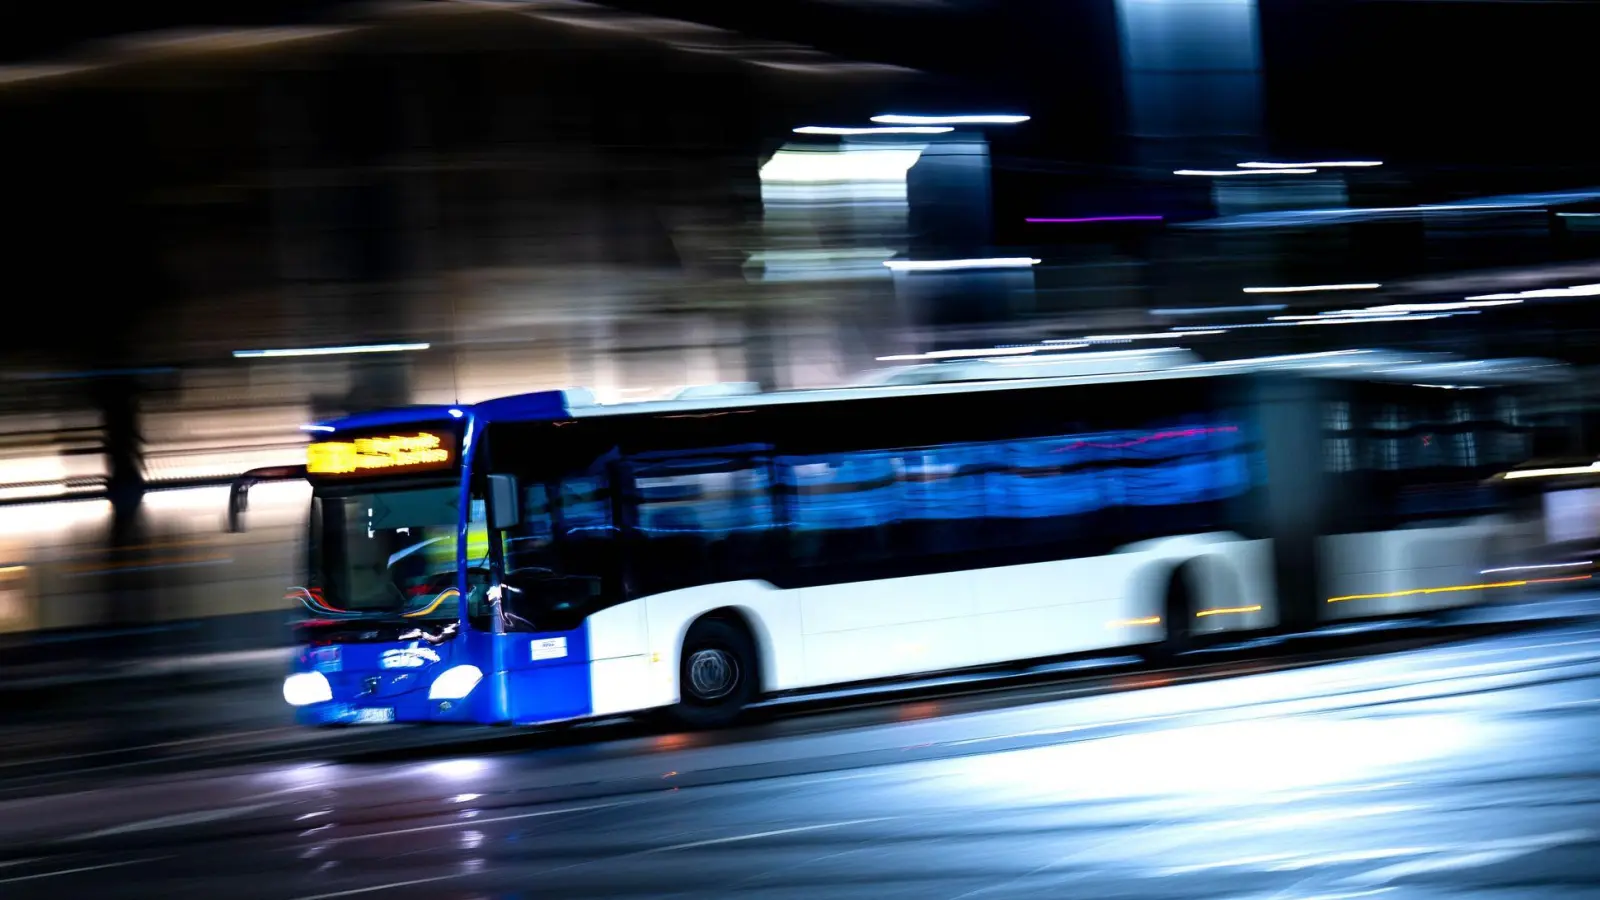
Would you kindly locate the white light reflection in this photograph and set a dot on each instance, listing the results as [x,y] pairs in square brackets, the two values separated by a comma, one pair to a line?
[1208,310]
[1581,290]
[844,166]
[1146,336]
[302,776]
[1470,303]
[1555,471]
[1224,173]
[458,768]
[1316,320]
[928,265]
[464,798]
[950,120]
[1236,763]
[904,129]
[1314,288]
[1356,316]
[1336,164]
[1536,567]
[329,351]
[962,354]
[1291,357]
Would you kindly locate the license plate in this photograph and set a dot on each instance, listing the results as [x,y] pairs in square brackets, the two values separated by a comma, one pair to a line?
[374,716]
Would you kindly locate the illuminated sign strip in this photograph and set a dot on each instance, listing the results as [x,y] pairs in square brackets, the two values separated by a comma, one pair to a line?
[1126,623]
[1458,587]
[391,453]
[1227,611]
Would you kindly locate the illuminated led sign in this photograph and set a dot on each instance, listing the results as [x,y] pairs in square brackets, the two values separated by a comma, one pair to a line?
[391,454]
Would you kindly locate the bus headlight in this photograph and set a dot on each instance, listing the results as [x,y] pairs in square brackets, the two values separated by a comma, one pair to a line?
[455,683]
[306,688]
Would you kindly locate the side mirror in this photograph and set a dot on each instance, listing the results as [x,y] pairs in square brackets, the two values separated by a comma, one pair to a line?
[238,505]
[239,490]
[505,501]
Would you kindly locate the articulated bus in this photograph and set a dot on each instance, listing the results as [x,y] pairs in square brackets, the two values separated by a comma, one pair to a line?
[543,558]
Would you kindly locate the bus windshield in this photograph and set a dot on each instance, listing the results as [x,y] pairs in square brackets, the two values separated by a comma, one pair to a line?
[385,554]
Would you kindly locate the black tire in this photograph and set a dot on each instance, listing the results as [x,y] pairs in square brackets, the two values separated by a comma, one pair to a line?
[1177,617]
[717,675]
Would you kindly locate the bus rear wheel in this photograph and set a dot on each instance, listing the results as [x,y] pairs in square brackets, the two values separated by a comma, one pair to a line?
[1177,614]
[716,674]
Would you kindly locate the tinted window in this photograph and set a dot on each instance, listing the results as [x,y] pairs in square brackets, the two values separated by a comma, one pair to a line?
[878,513]
[841,506]
[567,529]
[700,520]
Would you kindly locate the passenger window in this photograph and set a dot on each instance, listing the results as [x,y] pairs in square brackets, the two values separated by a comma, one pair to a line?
[944,498]
[700,520]
[841,506]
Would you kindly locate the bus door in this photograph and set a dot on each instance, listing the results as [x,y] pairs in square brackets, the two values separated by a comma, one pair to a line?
[558,563]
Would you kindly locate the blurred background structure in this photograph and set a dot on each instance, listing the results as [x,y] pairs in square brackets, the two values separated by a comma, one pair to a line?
[229,222]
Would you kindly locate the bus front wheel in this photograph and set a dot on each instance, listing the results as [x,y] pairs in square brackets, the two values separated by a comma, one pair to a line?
[716,674]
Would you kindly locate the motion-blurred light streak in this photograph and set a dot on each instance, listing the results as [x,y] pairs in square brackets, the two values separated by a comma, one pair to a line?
[1336,164]
[1314,288]
[931,265]
[330,351]
[1555,471]
[844,164]
[1459,587]
[1209,310]
[887,129]
[1581,290]
[978,119]
[1225,173]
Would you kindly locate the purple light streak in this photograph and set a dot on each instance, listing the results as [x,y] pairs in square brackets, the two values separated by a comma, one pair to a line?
[1094,219]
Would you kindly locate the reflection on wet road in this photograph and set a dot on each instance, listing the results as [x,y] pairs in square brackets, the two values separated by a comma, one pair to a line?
[1457,770]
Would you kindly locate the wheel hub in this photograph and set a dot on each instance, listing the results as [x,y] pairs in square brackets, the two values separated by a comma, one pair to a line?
[713,674]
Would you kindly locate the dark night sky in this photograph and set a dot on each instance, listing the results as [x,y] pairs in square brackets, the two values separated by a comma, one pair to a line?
[1425,80]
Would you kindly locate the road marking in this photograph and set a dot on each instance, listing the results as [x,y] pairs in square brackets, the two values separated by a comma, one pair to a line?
[130,862]
[173,821]
[475,823]
[379,887]
[762,834]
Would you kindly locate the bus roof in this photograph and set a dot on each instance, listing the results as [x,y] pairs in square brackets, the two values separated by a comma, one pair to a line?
[1426,370]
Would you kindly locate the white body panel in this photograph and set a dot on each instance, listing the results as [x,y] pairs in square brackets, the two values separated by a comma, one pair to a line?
[833,634]
[1408,559]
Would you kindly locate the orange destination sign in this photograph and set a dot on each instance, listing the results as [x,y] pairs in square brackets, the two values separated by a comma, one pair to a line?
[388,455]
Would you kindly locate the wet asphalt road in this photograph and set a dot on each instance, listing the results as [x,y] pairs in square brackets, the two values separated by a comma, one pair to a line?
[1463,770]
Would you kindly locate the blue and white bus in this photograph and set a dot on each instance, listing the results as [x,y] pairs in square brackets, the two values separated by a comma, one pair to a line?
[543,558]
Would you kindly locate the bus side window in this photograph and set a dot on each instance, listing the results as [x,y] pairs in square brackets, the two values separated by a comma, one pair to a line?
[1044,488]
[944,498]
[585,538]
[842,507]
[531,543]
[700,521]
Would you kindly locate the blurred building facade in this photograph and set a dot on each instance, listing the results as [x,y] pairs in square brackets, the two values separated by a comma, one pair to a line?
[523,201]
